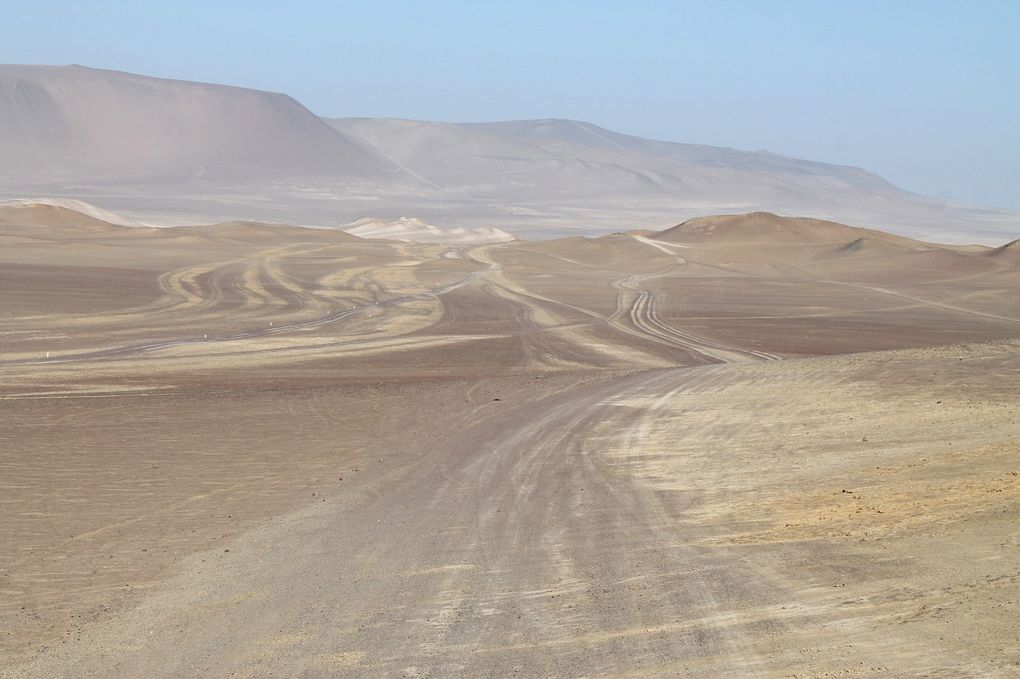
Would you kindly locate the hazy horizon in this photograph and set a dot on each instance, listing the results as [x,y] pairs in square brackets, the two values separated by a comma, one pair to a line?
[921,93]
[482,339]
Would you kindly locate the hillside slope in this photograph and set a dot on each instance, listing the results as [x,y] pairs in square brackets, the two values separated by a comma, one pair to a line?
[170,152]
[72,121]
[768,228]
[565,158]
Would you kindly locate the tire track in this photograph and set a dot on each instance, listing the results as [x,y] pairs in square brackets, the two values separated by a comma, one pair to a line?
[331,317]
[643,316]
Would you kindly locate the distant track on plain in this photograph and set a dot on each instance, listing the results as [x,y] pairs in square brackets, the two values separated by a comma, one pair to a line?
[330,318]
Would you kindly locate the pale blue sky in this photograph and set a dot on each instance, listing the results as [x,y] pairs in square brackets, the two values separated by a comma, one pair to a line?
[925,93]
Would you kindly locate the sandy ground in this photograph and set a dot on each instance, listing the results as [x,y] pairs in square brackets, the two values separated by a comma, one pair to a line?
[259,451]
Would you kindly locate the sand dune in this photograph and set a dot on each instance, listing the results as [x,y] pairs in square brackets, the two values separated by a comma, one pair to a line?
[631,453]
[534,415]
[79,207]
[30,213]
[1010,250]
[748,444]
[765,227]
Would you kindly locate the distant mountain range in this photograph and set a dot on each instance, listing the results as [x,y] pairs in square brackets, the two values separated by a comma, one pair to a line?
[567,158]
[175,151]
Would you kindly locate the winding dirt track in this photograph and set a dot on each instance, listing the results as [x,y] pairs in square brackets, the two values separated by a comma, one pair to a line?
[490,466]
[518,547]
[561,538]
[210,301]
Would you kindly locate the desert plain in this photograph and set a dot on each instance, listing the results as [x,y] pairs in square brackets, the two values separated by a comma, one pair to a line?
[745,446]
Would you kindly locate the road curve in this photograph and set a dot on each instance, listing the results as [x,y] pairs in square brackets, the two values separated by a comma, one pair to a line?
[521,546]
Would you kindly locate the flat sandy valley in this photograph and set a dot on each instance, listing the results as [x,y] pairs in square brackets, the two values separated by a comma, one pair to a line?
[742,447]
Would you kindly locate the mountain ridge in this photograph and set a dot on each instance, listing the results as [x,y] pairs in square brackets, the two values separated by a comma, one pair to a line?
[166,151]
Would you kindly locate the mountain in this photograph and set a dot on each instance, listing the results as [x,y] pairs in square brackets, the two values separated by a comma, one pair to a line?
[570,158]
[560,171]
[75,122]
[168,152]
[587,135]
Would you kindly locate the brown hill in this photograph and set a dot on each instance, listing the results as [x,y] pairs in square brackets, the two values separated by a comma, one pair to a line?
[34,215]
[1010,250]
[757,227]
[39,219]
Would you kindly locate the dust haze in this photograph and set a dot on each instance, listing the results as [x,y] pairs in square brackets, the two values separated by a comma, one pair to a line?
[289,396]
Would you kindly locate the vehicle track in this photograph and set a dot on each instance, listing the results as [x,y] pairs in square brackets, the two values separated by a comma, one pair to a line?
[254,298]
[642,315]
[518,545]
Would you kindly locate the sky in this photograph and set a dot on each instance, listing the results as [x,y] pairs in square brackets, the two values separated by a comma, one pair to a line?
[926,94]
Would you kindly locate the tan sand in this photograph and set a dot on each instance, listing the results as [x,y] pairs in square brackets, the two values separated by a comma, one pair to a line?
[262,450]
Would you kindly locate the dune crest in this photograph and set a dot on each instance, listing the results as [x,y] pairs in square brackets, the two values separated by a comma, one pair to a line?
[772,228]
[42,211]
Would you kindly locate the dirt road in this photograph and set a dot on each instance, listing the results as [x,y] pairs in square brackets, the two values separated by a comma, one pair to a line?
[269,451]
[536,544]
[515,548]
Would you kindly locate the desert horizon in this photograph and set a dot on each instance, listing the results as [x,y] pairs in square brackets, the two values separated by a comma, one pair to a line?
[297,380]
[110,139]
[297,363]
